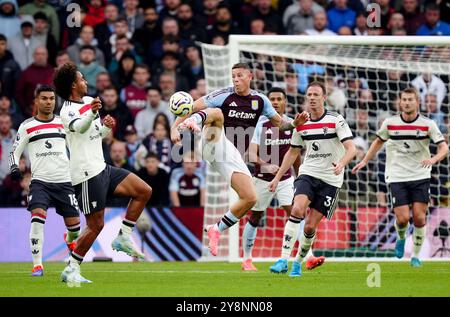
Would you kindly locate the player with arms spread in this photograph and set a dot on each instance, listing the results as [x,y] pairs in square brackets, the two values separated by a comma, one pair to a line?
[92,177]
[241,108]
[329,148]
[44,136]
[408,167]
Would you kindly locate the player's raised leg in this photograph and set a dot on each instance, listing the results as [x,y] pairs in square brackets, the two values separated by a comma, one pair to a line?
[140,192]
[38,217]
[401,227]
[419,233]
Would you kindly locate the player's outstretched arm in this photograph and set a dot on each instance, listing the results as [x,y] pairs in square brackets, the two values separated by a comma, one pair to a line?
[440,155]
[175,136]
[283,124]
[81,124]
[350,153]
[288,161]
[374,148]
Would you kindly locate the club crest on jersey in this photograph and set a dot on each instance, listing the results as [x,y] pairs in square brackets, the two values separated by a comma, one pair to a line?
[195,182]
[325,130]
[418,132]
[17,137]
[71,114]
[48,144]
[287,132]
[255,105]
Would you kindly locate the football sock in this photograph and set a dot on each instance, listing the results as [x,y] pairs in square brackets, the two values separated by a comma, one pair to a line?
[227,221]
[289,236]
[37,238]
[305,245]
[248,238]
[73,232]
[127,227]
[401,232]
[418,237]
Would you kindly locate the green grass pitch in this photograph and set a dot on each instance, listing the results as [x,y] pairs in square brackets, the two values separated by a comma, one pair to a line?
[213,279]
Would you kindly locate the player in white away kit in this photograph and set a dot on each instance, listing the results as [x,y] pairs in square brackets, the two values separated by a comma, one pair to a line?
[408,167]
[92,178]
[44,136]
[241,108]
[267,148]
[329,148]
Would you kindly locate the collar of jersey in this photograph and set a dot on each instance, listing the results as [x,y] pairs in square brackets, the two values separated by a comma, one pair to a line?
[78,102]
[324,114]
[401,117]
[35,118]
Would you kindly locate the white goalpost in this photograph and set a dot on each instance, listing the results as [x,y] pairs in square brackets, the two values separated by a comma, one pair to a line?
[363,75]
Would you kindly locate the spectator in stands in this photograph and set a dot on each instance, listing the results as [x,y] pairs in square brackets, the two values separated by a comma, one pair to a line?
[157,178]
[169,64]
[414,18]
[132,144]
[219,39]
[263,10]
[119,156]
[41,32]
[7,106]
[167,84]
[158,142]
[224,23]
[388,88]
[89,67]
[170,10]
[86,38]
[123,75]
[208,16]
[341,15]
[113,107]
[189,29]
[320,25]
[43,6]
[295,100]
[135,95]
[299,16]
[123,46]
[120,30]
[145,118]
[433,25]
[360,24]
[201,87]
[345,31]
[9,18]
[363,126]
[11,191]
[396,22]
[434,113]
[23,44]
[336,100]
[7,137]
[38,73]
[148,33]
[102,81]
[304,71]
[9,69]
[257,27]
[62,58]
[131,13]
[429,84]
[385,14]
[187,185]
[193,68]
[95,12]
[104,30]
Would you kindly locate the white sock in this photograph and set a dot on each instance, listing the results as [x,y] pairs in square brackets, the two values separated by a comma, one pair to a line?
[248,239]
[127,227]
[37,238]
[72,233]
[304,247]
[75,259]
[289,236]
[418,237]
[401,232]
[227,221]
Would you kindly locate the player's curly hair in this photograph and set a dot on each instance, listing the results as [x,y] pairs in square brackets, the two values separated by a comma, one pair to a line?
[63,79]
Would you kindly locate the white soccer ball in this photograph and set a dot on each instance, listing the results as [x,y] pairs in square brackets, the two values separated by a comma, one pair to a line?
[181,104]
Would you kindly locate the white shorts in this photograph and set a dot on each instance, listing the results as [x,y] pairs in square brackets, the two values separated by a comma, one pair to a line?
[223,157]
[284,193]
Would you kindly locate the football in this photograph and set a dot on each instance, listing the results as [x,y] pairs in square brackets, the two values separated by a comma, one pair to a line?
[181,104]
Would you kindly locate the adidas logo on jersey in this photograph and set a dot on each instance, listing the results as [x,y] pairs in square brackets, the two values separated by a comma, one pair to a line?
[269,131]
[233,104]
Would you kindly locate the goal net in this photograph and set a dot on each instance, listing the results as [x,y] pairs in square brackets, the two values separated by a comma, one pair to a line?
[363,76]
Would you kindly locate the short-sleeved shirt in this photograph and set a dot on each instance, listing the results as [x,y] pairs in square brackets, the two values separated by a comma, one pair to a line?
[187,186]
[273,146]
[323,140]
[407,146]
[241,113]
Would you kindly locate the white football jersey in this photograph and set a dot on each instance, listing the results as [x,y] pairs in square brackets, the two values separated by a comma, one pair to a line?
[85,149]
[46,142]
[408,145]
[323,141]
